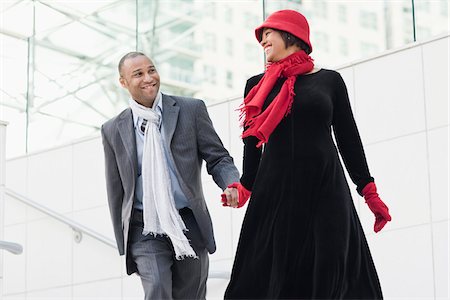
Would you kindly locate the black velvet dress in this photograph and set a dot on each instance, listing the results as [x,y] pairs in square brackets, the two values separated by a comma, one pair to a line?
[301,237]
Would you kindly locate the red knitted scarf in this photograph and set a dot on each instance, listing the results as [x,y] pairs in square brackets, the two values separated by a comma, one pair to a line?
[262,124]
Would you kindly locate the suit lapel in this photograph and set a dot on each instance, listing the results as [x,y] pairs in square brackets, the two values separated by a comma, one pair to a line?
[126,131]
[169,117]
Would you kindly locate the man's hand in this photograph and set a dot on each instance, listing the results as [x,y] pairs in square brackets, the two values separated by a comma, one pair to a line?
[235,192]
[230,197]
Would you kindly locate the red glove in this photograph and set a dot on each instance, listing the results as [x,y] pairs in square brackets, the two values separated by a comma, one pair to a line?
[379,209]
[243,194]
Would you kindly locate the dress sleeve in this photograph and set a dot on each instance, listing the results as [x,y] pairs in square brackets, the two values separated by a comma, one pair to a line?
[347,137]
[252,154]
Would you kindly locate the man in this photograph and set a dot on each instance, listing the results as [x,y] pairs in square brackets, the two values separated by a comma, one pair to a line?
[153,157]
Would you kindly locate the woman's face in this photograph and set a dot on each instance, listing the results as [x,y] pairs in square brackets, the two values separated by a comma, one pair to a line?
[274,46]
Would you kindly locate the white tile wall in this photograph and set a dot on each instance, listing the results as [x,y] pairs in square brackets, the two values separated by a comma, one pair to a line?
[221,217]
[16,175]
[400,170]
[441,252]
[15,297]
[216,288]
[436,81]
[219,117]
[50,176]
[60,293]
[97,218]
[403,259]
[14,266]
[132,288]
[389,96]
[94,261]
[439,164]
[15,211]
[89,187]
[99,290]
[49,254]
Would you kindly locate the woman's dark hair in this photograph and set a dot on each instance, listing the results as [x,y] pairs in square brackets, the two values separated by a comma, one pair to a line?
[290,40]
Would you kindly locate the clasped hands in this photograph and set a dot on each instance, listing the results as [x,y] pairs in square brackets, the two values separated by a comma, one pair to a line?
[235,195]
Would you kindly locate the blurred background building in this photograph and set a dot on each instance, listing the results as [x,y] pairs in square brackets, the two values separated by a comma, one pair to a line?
[59,58]
[59,83]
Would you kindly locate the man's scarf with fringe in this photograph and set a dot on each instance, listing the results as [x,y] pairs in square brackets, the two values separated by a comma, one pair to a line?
[160,214]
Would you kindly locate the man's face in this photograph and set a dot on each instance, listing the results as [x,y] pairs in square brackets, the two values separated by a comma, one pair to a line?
[140,78]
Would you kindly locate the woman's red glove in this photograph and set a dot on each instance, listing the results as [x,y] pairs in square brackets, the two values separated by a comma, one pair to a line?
[379,209]
[243,194]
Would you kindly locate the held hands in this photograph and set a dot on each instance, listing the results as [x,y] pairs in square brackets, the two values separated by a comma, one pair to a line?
[235,195]
[379,209]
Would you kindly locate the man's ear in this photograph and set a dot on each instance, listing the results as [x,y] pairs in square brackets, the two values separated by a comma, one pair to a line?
[123,82]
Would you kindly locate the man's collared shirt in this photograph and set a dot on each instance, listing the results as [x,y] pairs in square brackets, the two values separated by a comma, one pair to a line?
[178,195]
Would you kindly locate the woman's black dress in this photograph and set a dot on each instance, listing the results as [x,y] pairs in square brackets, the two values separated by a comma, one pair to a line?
[301,237]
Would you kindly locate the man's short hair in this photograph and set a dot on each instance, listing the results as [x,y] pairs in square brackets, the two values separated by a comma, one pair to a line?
[132,54]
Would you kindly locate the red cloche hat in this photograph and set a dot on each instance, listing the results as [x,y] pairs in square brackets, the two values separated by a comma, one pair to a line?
[287,20]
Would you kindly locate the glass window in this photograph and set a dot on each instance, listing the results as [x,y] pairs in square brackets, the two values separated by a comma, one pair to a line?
[228,15]
[210,42]
[343,46]
[368,48]
[252,51]
[251,20]
[368,20]
[72,88]
[342,13]
[229,79]
[210,74]
[229,46]
[210,10]
[322,41]
[423,5]
[296,1]
[430,19]
[443,8]
[320,9]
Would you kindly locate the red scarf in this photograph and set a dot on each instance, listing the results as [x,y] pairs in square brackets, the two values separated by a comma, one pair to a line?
[263,124]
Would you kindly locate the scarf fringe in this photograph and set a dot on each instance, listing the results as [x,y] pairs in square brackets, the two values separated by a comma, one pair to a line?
[160,215]
[251,118]
[183,256]
[291,96]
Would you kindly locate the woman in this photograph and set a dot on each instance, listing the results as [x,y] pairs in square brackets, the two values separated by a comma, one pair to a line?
[301,237]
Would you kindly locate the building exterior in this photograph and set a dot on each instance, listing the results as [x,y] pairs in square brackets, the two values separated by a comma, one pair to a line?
[59,58]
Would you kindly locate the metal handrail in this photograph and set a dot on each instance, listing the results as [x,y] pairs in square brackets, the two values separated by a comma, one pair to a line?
[78,228]
[11,247]
[81,229]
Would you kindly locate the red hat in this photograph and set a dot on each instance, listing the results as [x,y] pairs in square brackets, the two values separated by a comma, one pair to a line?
[287,20]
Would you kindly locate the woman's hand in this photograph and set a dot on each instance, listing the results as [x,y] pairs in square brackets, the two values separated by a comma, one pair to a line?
[379,209]
[235,195]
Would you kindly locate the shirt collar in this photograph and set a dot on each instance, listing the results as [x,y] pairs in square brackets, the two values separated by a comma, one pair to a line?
[158,101]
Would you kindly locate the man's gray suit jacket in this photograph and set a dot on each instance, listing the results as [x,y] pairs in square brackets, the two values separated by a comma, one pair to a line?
[190,138]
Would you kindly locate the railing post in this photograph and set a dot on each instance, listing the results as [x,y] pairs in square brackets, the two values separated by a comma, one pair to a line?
[2,193]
